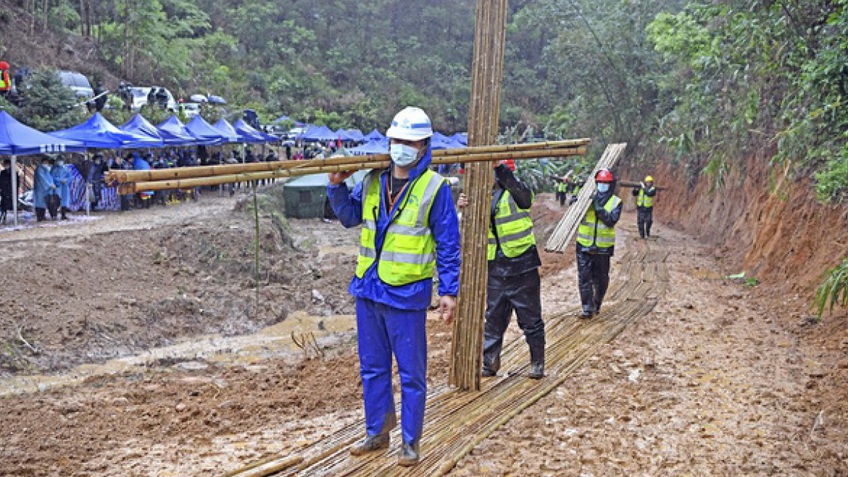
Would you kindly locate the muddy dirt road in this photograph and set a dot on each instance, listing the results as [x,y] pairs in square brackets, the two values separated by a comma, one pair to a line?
[171,369]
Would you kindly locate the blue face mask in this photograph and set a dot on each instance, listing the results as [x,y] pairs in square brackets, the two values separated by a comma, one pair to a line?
[403,155]
[603,187]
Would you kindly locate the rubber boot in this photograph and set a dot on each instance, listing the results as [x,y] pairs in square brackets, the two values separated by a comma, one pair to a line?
[408,455]
[537,359]
[39,214]
[64,213]
[376,442]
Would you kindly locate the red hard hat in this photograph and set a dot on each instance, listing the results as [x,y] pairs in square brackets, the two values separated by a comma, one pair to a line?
[4,65]
[511,164]
[604,175]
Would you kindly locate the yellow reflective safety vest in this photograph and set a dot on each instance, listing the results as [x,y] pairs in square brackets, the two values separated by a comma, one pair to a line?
[5,82]
[514,228]
[409,249]
[562,187]
[644,200]
[593,231]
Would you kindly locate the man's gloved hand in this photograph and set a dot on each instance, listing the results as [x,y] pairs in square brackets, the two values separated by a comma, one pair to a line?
[596,202]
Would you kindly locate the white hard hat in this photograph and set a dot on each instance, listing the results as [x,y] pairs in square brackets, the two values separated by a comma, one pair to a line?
[411,124]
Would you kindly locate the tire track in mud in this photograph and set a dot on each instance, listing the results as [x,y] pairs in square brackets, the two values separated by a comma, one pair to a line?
[457,421]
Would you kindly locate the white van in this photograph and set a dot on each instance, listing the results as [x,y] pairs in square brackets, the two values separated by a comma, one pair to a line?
[139,97]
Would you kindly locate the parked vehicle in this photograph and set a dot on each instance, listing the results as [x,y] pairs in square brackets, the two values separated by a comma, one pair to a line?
[78,83]
[190,110]
[140,93]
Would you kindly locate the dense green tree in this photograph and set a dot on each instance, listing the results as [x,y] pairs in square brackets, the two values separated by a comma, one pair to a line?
[49,104]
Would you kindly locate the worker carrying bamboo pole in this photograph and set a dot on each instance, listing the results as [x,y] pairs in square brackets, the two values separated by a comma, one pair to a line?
[409,228]
[596,244]
[645,194]
[513,281]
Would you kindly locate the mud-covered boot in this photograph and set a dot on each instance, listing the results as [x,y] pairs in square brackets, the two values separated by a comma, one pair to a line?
[408,455]
[537,359]
[375,442]
[491,366]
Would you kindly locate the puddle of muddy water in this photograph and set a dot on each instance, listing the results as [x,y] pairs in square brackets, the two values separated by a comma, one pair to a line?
[274,341]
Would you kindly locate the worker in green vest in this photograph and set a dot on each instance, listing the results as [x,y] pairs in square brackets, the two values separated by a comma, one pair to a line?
[596,244]
[645,194]
[561,190]
[409,229]
[513,282]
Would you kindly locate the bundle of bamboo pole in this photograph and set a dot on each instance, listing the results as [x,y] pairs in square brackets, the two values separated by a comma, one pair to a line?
[567,227]
[183,178]
[483,115]
[637,184]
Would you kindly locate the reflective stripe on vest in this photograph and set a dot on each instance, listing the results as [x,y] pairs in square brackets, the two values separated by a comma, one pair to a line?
[409,249]
[593,231]
[644,200]
[514,227]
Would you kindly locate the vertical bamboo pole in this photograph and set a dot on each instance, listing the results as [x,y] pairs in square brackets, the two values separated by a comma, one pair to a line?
[484,109]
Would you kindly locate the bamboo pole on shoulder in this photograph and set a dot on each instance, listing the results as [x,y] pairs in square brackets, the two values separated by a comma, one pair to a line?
[484,109]
[135,187]
[230,169]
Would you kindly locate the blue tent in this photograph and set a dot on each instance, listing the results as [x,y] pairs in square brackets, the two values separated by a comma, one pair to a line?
[174,132]
[379,146]
[344,135]
[461,138]
[247,133]
[227,131]
[141,127]
[440,141]
[18,139]
[356,135]
[318,133]
[374,135]
[99,133]
[203,132]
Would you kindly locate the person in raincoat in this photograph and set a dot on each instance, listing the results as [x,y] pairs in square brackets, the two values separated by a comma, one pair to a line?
[62,181]
[43,186]
[409,228]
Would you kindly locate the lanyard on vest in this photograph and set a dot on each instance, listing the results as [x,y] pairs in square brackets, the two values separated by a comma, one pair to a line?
[496,200]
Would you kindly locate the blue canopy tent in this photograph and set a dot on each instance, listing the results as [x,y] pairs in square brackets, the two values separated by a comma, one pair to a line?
[141,127]
[98,133]
[17,139]
[174,132]
[318,133]
[461,138]
[203,132]
[247,133]
[230,135]
[379,146]
[374,135]
[440,141]
[356,135]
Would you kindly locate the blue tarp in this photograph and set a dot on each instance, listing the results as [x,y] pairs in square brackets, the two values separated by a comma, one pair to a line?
[318,133]
[249,134]
[227,131]
[99,133]
[174,132]
[203,132]
[17,139]
[374,135]
[141,127]
[380,146]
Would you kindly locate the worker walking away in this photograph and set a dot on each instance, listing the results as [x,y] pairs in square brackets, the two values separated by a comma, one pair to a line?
[513,282]
[561,191]
[645,194]
[596,244]
[409,228]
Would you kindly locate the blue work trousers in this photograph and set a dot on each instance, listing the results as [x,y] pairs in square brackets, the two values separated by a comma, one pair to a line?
[381,330]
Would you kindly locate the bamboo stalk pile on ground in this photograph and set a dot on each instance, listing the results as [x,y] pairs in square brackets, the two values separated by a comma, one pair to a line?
[567,227]
[458,421]
[215,175]
[483,115]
